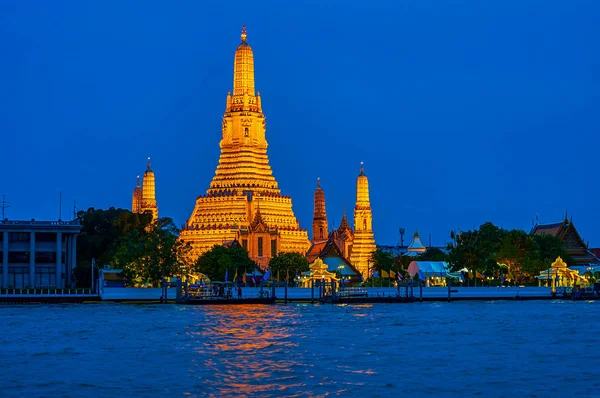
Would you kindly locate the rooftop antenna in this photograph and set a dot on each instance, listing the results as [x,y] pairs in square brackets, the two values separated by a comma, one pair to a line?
[5,205]
[60,206]
[402,231]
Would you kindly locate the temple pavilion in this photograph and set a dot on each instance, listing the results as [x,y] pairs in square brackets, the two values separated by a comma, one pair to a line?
[243,201]
[318,271]
[574,245]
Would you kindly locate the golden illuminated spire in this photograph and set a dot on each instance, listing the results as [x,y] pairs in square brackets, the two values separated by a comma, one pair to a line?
[149,193]
[243,178]
[364,241]
[362,188]
[243,69]
[136,201]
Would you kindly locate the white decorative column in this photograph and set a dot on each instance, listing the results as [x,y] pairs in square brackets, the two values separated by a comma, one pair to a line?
[59,259]
[73,256]
[32,259]
[5,259]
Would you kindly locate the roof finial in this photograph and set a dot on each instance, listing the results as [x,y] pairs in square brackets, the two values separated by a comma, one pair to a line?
[244,33]
[148,162]
[362,169]
[318,182]
[566,215]
[138,180]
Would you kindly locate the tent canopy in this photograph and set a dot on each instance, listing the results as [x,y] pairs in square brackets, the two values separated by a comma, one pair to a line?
[428,268]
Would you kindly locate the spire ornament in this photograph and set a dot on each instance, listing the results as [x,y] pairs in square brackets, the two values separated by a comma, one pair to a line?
[318,182]
[148,162]
[244,33]
[362,168]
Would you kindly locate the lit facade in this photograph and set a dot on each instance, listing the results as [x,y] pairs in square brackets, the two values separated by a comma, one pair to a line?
[38,253]
[363,244]
[144,196]
[243,201]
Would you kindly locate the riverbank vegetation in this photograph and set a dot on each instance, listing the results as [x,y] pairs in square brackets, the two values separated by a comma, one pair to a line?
[489,251]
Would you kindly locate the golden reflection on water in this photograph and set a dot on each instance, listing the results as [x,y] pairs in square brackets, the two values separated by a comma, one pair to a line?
[245,348]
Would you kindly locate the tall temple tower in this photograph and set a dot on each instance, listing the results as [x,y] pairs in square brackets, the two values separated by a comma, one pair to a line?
[144,197]
[364,242]
[243,201]
[320,232]
[136,200]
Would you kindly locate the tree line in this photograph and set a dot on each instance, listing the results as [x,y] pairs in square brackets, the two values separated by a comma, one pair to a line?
[489,250]
[147,252]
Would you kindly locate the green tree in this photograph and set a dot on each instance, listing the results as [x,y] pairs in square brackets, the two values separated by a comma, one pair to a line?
[517,252]
[286,264]
[101,232]
[381,260]
[433,254]
[550,248]
[215,262]
[153,253]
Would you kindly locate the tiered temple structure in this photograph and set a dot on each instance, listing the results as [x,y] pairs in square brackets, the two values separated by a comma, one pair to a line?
[136,201]
[144,196]
[320,232]
[243,201]
[345,249]
[363,245]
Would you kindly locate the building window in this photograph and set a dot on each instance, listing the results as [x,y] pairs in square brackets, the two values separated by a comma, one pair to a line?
[45,237]
[45,277]
[273,247]
[18,257]
[18,277]
[18,236]
[260,247]
[45,257]
[245,244]
[246,132]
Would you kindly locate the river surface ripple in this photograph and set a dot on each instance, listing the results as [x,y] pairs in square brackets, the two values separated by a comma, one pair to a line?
[503,348]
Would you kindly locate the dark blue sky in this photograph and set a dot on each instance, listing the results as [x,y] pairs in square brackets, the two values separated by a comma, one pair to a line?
[463,111]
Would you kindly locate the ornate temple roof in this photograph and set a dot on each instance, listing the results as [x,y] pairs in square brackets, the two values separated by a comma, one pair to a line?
[344,224]
[315,250]
[416,244]
[572,241]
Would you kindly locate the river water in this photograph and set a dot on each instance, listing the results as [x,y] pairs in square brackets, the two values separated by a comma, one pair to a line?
[502,348]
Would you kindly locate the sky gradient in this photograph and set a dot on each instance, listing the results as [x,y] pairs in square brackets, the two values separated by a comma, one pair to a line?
[463,111]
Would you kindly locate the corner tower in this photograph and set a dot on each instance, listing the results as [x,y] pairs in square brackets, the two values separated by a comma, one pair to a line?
[149,193]
[320,232]
[244,181]
[364,241]
[136,200]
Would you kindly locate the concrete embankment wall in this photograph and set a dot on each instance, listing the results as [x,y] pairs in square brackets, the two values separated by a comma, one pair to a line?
[144,294]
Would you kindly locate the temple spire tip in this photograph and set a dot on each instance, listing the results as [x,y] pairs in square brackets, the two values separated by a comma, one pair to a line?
[244,33]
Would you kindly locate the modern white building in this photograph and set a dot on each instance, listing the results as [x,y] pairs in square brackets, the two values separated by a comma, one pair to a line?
[38,253]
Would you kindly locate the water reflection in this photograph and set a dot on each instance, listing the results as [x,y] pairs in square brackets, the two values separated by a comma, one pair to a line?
[461,348]
[246,349]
